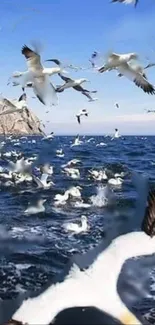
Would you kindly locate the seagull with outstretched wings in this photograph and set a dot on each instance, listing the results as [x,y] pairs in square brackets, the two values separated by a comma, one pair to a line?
[82,112]
[75,84]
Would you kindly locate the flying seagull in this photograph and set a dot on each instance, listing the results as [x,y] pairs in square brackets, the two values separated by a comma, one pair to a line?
[122,63]
[42,86]
[75,84]
[117,105]
[82,112]
[127,2]
[18,107]
[137,68]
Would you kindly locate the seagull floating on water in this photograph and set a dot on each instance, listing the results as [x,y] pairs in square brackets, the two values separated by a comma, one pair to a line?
[36,209]
[60,153]
[71,163]
[72,172]
[73,227]
[115,181]
[42,182]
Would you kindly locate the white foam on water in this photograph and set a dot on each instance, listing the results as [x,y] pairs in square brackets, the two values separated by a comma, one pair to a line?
[101,199]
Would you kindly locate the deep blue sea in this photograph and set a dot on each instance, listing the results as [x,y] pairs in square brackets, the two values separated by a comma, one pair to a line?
[35,248]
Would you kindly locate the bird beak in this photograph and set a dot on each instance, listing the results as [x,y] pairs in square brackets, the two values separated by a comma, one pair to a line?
[129,319]
[49,60]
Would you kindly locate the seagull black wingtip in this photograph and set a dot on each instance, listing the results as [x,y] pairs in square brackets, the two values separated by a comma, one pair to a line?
[24,48]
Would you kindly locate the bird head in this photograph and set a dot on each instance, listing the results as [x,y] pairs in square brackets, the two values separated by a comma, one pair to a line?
[133,56]
[79,187]
[83,218]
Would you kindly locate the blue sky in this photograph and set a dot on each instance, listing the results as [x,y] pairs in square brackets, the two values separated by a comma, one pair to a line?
[70,31]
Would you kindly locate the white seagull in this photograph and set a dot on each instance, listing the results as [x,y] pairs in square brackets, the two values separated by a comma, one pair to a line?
[77,142]
[117,181]
[82,112]
[116,135]
[42,87]
[74,191]
[72,172]
[121,62]
[74,227]
[61,199]
[72,163]
[60,153]
[75,84]
[18,107]
[36,209]
[46,169]
[42,182]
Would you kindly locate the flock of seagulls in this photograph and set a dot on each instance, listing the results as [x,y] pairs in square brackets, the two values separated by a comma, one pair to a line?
[122,63]
[81,287]
[37,76]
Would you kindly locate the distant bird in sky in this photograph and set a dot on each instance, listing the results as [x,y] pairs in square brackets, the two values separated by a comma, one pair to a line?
[121,62]
[93,56]
[117,105]
[82,112]
[127,2]
[150,111]
[75,84]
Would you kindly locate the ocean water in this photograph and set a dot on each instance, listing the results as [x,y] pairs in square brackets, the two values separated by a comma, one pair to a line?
[35,248]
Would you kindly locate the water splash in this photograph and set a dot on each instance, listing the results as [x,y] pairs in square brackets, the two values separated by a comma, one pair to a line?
[102,197]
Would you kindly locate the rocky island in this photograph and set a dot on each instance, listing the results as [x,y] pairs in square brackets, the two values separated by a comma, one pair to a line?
[24,122]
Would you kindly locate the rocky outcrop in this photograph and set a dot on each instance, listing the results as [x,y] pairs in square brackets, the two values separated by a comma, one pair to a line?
[19,123]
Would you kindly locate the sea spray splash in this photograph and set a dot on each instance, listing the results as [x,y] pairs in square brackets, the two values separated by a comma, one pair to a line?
[102,197]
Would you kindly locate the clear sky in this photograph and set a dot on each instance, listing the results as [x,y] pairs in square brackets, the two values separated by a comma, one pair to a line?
[70,31]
